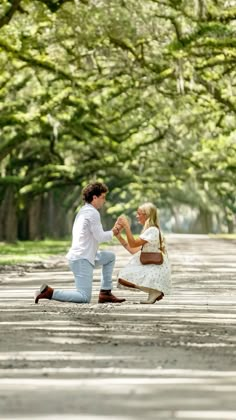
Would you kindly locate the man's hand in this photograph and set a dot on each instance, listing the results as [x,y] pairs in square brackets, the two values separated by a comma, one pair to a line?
[116,229]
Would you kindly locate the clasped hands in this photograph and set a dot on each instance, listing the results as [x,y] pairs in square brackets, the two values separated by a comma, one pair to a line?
[121,223]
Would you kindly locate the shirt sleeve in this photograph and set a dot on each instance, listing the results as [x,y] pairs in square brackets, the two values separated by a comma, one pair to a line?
[150,235]
[97,230]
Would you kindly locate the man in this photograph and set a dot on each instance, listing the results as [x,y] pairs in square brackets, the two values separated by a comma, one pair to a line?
[84,256]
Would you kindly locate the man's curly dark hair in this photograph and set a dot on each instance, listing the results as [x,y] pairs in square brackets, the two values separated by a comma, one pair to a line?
[96,188]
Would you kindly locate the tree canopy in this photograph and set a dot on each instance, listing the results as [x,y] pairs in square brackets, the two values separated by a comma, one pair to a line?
[139,94]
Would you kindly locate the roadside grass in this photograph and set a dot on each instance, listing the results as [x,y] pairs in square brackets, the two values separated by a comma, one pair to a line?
[222,236]
[31,251]
[23,252]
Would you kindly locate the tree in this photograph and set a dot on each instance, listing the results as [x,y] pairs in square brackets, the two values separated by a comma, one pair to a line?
[138,94]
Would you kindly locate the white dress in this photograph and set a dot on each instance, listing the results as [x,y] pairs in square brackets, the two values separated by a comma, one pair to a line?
[151,275]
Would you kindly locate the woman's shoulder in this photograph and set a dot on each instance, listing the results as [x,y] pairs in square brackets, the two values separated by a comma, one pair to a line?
[152,229]
[150,233]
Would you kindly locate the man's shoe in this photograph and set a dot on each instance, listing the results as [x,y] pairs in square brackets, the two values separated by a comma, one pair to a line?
[106,296]
[45,292]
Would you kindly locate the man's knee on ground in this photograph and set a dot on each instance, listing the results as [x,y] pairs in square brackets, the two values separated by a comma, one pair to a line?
[86,296]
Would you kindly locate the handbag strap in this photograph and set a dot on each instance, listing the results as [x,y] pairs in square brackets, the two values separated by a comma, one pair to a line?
[160,239]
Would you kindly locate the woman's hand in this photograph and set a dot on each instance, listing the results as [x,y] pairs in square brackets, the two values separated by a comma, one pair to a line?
[123,221]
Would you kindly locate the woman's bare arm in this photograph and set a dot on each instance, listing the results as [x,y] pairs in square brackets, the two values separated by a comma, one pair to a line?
[132,242]
[125,244]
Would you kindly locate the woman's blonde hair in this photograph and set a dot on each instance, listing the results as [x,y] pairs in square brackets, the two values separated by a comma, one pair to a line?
[152,215]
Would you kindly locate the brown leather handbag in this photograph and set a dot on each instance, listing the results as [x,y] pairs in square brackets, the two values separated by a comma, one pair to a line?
[153,257]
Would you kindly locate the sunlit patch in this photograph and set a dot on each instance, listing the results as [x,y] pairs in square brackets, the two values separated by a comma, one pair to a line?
[70,417]
[121,383]
[216,376]
[54,355]
[64,340]
[214,415]
[216,345]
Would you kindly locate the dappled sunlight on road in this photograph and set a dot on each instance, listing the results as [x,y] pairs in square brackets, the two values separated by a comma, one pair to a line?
[174,358]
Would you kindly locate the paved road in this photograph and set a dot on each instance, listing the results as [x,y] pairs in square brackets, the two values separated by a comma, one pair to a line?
[172,360]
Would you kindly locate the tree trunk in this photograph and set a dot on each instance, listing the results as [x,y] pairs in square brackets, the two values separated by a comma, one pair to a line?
[8,216]
[203,222]
[55,215]
[35,223]
[229,216]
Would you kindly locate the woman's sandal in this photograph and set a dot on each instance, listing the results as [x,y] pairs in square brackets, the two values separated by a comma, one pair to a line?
[152,298]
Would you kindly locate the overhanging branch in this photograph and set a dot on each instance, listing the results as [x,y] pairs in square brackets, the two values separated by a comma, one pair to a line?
[9,14]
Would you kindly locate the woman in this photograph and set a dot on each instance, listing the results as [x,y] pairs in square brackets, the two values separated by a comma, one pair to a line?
[151,278]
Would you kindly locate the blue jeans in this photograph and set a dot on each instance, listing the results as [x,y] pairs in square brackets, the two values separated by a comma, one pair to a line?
[83,275]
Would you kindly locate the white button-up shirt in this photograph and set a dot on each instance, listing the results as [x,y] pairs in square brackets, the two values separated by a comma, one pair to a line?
[87,233]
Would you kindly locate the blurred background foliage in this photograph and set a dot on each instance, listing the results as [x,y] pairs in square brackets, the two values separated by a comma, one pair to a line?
[138,94]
